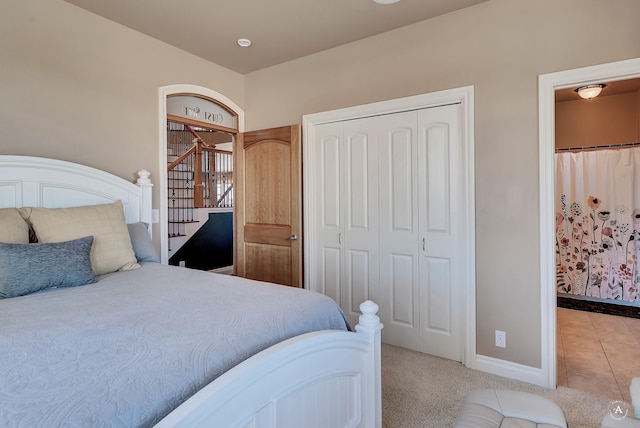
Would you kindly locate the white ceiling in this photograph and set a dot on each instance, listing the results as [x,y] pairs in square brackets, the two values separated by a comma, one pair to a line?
[281,30]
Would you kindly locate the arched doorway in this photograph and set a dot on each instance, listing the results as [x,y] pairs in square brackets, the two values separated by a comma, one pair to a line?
[192,108]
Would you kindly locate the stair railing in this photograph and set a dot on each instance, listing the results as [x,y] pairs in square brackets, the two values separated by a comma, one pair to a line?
[201,177]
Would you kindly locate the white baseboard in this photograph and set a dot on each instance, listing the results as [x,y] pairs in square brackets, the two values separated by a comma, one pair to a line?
[509,369]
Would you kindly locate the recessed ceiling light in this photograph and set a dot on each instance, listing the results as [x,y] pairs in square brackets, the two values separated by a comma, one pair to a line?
[386,1]
[245,43]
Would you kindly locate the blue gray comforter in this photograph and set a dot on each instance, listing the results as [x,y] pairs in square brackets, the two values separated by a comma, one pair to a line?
[127,350]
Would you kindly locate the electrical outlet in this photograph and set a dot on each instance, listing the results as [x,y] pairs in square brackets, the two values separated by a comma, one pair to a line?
[501,339]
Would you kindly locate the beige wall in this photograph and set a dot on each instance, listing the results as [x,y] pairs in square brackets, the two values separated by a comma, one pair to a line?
[604,120]
[501,47]
[77,87]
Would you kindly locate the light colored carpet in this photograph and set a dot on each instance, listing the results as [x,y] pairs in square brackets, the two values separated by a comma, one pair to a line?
[420,390]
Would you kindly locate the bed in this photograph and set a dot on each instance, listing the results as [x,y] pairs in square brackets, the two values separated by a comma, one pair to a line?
[96,332]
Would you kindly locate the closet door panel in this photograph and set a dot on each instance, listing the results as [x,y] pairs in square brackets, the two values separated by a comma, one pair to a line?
[399,302]
[330,183]
[330,272]
[358,185]
[359,271]
[441,212]
[437,318]
[402,292]
[399,148]
[437,170]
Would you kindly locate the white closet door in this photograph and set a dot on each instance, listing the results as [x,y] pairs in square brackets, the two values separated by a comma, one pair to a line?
[345,205]
[327,191]
[387,198]
[399,283]
[441,207]
[360,185]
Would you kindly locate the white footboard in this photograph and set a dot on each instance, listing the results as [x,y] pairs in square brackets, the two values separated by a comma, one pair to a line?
[323,379]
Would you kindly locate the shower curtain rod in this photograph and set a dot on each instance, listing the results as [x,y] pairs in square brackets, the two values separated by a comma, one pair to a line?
[609,146]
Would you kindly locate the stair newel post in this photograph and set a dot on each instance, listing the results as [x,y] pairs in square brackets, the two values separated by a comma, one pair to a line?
[213,191]
[197,176]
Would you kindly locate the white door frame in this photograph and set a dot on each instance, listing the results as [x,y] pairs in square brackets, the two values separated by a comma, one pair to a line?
[464,96]
[163,93]
[547,85]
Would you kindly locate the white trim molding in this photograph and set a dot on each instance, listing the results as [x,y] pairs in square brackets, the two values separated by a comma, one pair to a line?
[464,96]
[547,85]
[509,369]
[163,93]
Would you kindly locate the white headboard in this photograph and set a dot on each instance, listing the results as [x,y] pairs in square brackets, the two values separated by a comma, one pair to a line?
[27,181]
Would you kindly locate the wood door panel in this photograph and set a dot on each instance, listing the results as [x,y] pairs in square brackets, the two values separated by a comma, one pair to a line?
[270,235]
[268,183]
[282,133]
[269,263]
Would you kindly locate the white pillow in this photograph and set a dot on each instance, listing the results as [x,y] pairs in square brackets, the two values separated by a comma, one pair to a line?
[111,249]
[13,228]
[634,390]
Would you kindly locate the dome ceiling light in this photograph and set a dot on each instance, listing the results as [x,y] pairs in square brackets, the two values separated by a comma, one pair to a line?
[244,43]
[590,91]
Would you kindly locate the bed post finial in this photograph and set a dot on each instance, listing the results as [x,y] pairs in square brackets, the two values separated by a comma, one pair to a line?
[143,178]
[369,325]
[369,310]
[144,182]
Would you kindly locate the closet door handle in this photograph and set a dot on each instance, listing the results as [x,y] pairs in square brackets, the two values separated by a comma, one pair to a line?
[424,242]
[340,238]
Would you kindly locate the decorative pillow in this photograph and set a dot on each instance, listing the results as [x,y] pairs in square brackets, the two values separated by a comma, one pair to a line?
[27,268]
[13,228]
[112,249]
[142,244]
[634,390]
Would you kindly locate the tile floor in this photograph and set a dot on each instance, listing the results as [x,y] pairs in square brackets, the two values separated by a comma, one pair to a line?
[598,353]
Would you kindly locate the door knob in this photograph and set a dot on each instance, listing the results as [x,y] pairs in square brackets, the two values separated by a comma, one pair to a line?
[293,238]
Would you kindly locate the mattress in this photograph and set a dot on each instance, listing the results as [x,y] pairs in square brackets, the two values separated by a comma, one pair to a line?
[127,350]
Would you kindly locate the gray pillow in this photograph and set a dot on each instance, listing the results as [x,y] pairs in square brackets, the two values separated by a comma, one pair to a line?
[27,268]
[141,242]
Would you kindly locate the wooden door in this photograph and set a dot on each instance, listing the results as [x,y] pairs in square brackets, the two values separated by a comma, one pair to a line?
[269,206]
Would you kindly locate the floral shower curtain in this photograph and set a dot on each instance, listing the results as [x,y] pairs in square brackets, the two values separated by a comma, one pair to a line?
[598,223]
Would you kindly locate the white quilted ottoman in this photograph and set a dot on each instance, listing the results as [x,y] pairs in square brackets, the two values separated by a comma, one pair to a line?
[494,408]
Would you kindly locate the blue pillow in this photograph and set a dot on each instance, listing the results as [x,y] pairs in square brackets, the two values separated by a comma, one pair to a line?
[27,268]
[142,244]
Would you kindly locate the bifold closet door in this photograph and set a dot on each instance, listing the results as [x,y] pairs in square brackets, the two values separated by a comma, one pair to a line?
[398,193]
[442,225]
[387,195]
[327,211]
[360,277]
[345,207]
